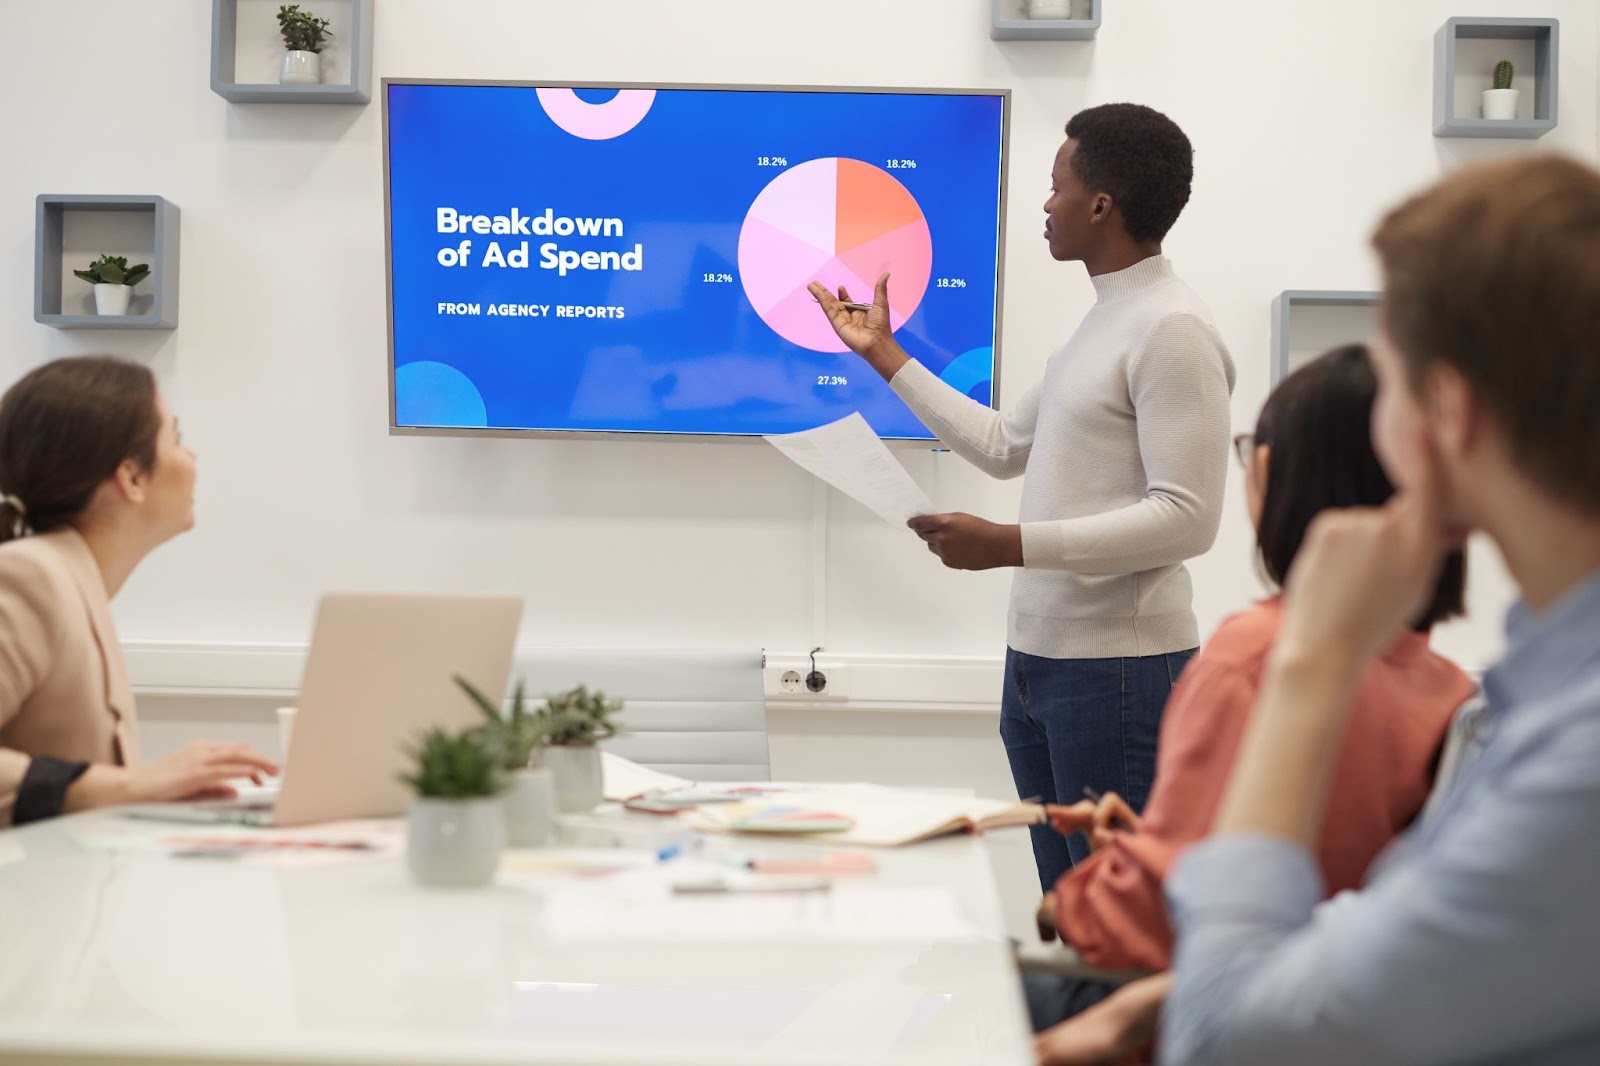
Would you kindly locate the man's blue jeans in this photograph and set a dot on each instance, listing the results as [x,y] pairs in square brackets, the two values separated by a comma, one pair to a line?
[1071,724]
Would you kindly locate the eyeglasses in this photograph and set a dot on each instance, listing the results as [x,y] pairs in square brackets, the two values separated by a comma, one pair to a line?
[1244,448]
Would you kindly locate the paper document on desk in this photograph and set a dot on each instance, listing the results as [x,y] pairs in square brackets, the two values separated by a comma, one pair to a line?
[624,779]
[850,457]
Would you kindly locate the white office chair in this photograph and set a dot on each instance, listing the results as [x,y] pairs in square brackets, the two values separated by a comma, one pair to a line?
[696,713]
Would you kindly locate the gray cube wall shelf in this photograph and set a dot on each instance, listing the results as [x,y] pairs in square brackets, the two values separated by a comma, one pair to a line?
[353,42]
[1283,323]
[137,226]
[1012,24]
[1541,37]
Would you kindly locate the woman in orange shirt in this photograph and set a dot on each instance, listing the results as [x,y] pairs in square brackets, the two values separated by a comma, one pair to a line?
[1311,451]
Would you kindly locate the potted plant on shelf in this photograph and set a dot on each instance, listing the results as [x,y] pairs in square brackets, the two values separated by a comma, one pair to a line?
[303,34]
[571,723]
[530,795]
[1501,101]
[1048,9]
[456,827]
[113,280]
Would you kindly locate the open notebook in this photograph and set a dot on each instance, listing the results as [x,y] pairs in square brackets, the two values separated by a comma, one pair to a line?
[878,818]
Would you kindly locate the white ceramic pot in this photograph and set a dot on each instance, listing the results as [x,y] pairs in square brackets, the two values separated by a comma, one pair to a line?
[530,804]
[1049,9]
[576,769]
[300,68]
[111,299]
[1500,103]
[455,843]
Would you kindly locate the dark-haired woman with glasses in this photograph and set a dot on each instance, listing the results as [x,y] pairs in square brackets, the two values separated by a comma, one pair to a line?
[1311,451]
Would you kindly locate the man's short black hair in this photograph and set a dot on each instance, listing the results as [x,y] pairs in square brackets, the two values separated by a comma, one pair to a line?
[1140,158]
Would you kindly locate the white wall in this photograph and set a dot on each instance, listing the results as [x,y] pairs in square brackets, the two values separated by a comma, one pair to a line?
[1308,120]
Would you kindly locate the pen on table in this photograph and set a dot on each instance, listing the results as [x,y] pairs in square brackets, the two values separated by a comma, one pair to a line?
[848,306]
[775,884]
[678,847]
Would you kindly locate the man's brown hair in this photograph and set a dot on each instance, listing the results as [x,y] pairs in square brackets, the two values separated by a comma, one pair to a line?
[1495,271]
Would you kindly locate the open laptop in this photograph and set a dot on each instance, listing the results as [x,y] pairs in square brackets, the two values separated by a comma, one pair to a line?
[379,674]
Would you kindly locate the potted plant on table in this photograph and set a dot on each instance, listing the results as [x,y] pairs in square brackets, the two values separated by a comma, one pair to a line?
[303,34]
[571,724]
[530,794]
[113,280]
[1501,101]
[456,826]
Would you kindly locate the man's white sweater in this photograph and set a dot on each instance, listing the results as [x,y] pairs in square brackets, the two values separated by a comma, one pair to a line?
[1124,448]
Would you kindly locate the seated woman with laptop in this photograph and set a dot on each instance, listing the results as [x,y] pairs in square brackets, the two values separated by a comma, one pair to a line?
[93,477]
[1311,451]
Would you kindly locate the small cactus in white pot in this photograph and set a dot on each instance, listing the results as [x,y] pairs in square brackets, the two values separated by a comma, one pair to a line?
[1500,102]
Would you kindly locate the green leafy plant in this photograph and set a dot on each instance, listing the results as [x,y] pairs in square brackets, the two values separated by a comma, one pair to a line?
[577,718]
[463,765]
[519,733]
[1502,74]
[114,270]
[302,31]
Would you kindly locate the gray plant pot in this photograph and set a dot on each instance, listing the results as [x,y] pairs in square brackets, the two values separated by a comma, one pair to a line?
[455,843]
[530,805]
[577,775]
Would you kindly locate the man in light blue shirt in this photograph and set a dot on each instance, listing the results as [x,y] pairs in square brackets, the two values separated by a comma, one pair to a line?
[1477,939]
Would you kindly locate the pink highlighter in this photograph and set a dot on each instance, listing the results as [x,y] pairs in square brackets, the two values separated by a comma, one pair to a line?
[834,862]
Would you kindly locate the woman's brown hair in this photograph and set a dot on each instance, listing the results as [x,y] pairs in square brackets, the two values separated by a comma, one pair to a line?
[65,427]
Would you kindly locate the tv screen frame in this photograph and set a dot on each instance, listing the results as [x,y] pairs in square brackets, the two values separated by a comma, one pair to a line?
[1002,204]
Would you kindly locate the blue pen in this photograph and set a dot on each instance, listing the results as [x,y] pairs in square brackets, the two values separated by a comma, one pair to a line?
[677,847]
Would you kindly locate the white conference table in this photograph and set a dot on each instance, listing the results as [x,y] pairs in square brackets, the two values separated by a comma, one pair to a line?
[127,955]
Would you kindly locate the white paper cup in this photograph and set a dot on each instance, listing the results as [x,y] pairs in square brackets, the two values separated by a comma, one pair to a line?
[285,728]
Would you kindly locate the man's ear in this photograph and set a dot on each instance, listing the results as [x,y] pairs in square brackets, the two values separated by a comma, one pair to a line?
[130,480]
[1102,208]
[1454,408]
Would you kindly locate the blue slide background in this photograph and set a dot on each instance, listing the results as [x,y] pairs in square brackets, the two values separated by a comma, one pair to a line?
[689,357]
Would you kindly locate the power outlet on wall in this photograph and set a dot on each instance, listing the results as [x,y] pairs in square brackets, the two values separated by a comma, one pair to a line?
[800,682]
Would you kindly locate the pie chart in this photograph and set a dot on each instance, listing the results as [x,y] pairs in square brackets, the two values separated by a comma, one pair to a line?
[840,222]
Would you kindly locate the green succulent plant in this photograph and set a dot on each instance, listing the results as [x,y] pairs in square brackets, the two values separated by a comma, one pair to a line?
[114,270]
[302,31]
[1502,74]
[464,765]
[577,718]
[519,734]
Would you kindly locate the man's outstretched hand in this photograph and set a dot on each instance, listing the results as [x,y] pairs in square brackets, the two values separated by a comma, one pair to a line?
[867,333]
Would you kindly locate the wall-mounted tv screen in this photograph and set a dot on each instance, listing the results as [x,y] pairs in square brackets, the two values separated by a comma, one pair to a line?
[634,259]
